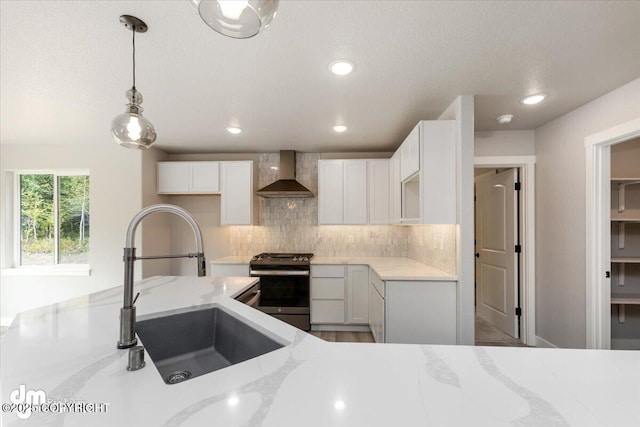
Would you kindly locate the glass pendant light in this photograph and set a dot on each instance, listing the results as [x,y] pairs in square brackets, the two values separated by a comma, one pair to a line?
[239,19]
[131,129]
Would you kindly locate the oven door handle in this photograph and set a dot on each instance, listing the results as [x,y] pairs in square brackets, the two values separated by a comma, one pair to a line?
[278,273]
[253,301]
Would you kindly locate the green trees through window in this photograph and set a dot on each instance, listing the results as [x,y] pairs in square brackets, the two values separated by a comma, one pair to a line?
[54,219]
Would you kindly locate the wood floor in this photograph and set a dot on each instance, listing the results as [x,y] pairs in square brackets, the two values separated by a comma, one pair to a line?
[343,336]
[489,335]
[486,335]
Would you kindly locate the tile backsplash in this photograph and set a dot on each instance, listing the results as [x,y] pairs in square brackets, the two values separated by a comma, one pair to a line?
[291,225]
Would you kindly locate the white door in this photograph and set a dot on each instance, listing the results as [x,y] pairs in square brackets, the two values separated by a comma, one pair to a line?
[496,271]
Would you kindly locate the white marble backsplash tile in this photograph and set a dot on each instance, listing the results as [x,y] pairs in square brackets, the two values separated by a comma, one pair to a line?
[291,225]
[434,245]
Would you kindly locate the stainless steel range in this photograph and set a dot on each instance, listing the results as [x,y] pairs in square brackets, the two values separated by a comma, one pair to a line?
[284,286]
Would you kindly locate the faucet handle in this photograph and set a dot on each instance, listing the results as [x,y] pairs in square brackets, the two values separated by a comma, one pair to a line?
[135,299]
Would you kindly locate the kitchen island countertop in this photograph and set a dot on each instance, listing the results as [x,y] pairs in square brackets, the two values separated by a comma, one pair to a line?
[68,350]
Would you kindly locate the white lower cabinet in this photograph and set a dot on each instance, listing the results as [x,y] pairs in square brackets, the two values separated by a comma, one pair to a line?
[339,295]
[412,312]
[357,295]
[376,313]
[327,294]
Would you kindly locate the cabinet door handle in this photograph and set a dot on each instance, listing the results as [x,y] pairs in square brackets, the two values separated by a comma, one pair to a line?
[477,255]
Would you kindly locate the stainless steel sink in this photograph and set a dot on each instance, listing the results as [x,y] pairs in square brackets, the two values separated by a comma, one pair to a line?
[188,343]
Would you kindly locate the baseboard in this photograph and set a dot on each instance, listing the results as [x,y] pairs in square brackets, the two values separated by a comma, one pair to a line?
[341,328]
[625,344]
[542,343]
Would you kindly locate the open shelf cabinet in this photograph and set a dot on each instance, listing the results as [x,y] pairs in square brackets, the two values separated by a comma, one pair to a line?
[625,247]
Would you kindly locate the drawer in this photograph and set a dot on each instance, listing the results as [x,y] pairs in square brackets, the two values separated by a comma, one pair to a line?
[327,271]
[327,288]
[327,311]
[377,283]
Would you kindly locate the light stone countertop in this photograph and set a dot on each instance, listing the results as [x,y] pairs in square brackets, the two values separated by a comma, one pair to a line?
[235,259]
[387,268]
[391,268]
[68,350]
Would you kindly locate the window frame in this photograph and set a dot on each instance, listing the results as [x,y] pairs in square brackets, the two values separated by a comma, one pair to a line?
[57,268]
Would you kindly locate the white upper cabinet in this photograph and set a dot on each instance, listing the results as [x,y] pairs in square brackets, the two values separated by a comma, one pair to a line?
[236,181]
[355,191]
[438,172]
[205,177]
[428,190]
[330,192]
[410,154]
[395,188]
[378,180]
[188,178]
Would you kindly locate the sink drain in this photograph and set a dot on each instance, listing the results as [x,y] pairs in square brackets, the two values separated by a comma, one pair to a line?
[178,376]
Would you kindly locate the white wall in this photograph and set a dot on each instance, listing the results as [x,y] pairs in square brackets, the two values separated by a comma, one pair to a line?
[115,198]
[504,143]
[561,211]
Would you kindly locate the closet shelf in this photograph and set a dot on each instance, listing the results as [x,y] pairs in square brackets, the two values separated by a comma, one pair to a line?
[625,179]
[625,219]
[626,260]
[625,298]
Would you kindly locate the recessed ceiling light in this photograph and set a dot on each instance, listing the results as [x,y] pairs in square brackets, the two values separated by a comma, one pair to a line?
[533,99]
[504,119]
[234,130]
[339,128]
[342,67]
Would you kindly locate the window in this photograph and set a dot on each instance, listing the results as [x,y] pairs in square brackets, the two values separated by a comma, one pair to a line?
[53,212]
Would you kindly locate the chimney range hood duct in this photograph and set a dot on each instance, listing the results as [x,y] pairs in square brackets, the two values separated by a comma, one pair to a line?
[286,186]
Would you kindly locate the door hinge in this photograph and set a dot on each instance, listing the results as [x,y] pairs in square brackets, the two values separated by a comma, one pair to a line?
[518,186]
[518,311]
[518,249]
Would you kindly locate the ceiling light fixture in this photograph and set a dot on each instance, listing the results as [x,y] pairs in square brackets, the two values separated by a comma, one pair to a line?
[339,128]
[238,19]
[234,130]
[533,99]
[342,67]
[131,129]
[504,119]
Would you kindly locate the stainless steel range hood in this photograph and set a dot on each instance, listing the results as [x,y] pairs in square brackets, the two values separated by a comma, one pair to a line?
[286,186]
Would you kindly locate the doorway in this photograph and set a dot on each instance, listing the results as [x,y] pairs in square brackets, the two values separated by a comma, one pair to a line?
[505,248]
[598,254]
[497,252]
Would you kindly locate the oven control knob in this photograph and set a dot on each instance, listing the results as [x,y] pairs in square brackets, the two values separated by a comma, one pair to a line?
[295,258]
[279,310]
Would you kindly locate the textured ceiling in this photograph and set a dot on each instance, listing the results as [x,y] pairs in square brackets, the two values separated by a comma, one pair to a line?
[65,66]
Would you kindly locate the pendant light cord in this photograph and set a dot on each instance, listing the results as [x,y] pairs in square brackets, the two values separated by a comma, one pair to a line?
[134,59]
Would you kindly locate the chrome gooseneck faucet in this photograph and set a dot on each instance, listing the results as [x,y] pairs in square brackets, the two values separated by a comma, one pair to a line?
[128,310]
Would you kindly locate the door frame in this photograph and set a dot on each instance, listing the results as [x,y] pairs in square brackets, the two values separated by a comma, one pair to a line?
[526,164]
[598,228]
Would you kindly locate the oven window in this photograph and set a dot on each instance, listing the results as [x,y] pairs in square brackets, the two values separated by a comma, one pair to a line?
[284,291]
